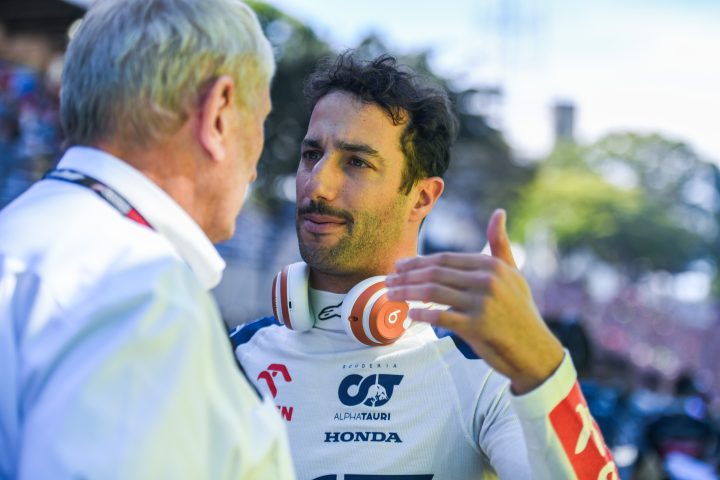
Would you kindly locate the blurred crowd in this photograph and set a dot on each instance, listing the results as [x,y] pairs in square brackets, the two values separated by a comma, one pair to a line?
[656,429]
[30,136]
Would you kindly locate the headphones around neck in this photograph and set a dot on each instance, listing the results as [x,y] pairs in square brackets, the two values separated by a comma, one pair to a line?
[368,315]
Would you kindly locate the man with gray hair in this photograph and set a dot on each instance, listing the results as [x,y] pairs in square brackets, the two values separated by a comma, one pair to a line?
[114,361]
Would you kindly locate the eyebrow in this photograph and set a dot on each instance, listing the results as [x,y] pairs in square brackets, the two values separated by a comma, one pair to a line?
[346,146]
[358,148]
[309,142]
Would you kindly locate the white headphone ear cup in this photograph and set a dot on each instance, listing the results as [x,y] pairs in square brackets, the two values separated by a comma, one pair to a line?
[370,317]
[290,297]
[276,296]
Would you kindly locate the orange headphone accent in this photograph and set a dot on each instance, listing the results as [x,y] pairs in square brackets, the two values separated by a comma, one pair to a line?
[370,317]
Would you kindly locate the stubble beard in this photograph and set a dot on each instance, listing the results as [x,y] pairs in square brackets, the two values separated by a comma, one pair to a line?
[362,249]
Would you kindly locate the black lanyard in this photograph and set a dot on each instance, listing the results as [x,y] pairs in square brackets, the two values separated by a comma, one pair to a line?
[116,200]
[119,203]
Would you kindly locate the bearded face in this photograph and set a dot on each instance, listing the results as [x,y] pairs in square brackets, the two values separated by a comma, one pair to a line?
[351,217]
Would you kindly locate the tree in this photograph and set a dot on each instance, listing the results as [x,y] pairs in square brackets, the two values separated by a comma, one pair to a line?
[636,201]
[297,52]
[482,171]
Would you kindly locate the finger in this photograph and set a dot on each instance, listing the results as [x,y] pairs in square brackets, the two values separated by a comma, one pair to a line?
[428,292]
[450,319]
[498,237]
[449,277]
[460,261]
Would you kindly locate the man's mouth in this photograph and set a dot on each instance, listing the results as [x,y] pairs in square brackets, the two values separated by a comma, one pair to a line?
[317,223]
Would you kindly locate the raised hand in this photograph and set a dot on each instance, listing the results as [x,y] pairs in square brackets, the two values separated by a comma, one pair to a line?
[491,306]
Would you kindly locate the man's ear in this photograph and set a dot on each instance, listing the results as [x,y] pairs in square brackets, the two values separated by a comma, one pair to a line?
[215,116]
[426,193]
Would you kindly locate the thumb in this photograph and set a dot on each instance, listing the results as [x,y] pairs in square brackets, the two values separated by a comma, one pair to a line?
[498,237]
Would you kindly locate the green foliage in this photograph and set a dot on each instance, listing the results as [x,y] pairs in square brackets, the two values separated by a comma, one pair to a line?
[627,197]
[297,52]
[482,171]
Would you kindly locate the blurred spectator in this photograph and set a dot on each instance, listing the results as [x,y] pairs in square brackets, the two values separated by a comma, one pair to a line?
[654,435]
[571,333]
[29,129]
[647,398]
[682,442]
[606,383]
[603,379]
[9,134]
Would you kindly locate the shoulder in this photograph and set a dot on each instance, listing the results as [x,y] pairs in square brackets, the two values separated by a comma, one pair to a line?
[473,378]
[460,345]
[51,212]
[242,334]
[72,240]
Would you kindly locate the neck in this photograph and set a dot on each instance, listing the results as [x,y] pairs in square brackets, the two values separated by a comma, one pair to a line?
[327,309]
[342,282]
[170,168]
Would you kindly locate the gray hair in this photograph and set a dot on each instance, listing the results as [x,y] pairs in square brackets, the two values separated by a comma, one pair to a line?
[134,68]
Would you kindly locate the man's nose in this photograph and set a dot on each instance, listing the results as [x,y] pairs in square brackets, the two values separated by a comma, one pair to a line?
[324,180]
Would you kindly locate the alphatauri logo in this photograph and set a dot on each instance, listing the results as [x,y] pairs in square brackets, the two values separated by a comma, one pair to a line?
[373,391]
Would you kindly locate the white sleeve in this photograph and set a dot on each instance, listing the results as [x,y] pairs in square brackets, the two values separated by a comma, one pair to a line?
[137,380]
[499,433]
[563,440]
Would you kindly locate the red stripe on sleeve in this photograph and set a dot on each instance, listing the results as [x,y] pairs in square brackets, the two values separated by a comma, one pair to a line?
[581,438]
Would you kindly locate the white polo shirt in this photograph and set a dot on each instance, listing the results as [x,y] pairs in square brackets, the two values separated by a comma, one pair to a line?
[114,362]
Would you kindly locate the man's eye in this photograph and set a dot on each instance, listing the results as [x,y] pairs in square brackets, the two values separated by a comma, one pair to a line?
[311,155]
[357,162]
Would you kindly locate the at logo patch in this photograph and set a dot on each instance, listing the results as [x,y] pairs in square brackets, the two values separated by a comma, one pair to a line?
[372,391]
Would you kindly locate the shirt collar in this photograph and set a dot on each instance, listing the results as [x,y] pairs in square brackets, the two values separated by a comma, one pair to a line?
[326,308]
[153,203]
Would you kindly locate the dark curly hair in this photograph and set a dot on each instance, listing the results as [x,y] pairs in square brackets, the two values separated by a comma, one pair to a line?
[430,124]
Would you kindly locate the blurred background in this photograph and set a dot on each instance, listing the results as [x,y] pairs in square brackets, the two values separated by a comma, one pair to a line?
[594,125]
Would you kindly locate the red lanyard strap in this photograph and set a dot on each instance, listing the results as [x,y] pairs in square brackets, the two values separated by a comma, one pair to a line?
[112,197]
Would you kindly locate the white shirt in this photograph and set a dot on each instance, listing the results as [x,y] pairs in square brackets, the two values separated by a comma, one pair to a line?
[417,409]
[114,362]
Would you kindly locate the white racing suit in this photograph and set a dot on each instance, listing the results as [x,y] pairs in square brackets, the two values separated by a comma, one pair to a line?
[422,408]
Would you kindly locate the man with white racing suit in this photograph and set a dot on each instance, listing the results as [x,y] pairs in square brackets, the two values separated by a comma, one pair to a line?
[395,366]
